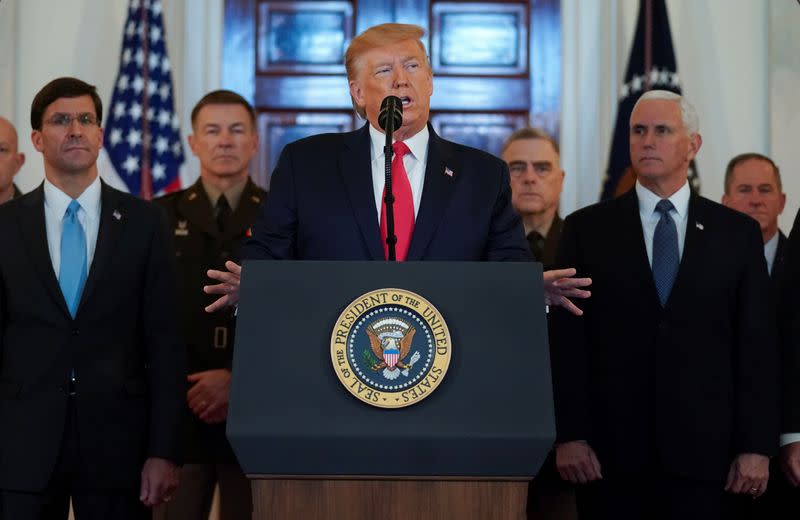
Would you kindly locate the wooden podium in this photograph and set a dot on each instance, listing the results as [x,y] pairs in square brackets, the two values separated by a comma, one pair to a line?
[371,499]
[466,451]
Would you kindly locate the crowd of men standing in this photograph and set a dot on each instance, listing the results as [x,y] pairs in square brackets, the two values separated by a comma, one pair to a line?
[675,383]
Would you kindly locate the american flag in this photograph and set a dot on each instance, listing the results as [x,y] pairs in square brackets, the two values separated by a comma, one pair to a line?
[651,65]
[142,135]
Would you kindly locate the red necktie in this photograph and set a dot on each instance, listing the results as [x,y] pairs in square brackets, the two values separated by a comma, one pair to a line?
[403,205]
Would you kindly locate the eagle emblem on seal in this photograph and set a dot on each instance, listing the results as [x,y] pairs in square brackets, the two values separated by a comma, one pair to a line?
[390,341]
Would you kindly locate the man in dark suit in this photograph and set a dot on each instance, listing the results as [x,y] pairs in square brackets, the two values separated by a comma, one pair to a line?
[753,186]
[211,220]
[452,202]
[667,413]
[11,160]
[91,369]
[786,503]
[537,179]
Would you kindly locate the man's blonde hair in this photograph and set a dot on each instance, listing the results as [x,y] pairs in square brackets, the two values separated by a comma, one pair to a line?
[374,38]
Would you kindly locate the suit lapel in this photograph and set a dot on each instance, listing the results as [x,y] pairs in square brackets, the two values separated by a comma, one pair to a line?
[356,171]
[35,236]
[634,247]
[777,263]
[436,193]
[113,218]
[195,207]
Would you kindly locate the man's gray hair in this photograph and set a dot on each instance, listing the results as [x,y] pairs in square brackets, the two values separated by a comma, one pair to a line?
[688,113]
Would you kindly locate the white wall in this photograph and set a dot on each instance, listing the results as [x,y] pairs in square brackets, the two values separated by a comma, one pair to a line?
[8,57]
[722,49]
[783,96]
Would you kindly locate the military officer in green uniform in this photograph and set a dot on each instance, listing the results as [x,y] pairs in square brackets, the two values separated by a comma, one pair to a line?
[210,220]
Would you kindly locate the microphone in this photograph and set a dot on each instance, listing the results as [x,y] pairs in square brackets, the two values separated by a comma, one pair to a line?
[391,115]
[390,118]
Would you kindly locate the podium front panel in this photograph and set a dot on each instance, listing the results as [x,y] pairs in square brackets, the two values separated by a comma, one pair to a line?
[492,415]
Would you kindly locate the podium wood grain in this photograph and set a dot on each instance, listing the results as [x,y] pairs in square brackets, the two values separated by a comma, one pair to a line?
[388,499]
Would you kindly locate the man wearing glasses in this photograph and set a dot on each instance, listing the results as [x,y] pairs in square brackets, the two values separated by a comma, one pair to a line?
[91,368]
[536,182]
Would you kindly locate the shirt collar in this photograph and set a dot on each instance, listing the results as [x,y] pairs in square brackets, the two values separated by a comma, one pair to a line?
[648,200]
[232,194]
[417,143]
[89,200]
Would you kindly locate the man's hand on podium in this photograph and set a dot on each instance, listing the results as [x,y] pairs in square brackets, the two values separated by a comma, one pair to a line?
[228,286]
[560,286]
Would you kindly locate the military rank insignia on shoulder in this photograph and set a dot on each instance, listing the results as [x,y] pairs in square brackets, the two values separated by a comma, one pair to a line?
[390,348]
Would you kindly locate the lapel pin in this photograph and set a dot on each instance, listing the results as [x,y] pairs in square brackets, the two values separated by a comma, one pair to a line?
[192,195]
[448,171]
[699,226]
[117,215]
[256,199]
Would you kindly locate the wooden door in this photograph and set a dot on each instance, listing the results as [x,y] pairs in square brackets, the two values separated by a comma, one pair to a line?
[496,66]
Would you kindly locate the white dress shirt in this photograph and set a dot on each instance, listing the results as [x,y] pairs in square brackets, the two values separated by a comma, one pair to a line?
[414,162]
[650,217]
[771,249]
[55,206]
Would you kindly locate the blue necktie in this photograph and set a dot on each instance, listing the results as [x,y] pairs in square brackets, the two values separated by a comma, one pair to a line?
[665,251]
[72,273]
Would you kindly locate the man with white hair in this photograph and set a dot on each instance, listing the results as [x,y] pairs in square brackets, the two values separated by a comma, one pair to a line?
[670,412]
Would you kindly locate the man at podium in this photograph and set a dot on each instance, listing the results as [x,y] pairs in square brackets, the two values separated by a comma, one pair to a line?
[452,202]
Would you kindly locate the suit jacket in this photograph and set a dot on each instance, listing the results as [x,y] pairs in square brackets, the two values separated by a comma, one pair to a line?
[778,267]
[209,337]
[123,345]
[682,388]
[789,322]
[322,205]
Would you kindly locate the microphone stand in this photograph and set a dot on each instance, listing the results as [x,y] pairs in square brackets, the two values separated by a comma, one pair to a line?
[388,196]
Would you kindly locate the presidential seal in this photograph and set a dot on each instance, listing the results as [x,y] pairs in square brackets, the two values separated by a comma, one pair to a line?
[390,348]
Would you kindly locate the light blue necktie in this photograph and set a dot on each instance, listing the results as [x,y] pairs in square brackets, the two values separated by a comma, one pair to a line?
[72,273]
[665,251]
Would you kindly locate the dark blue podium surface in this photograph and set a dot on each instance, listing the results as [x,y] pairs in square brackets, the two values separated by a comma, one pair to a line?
[491,416]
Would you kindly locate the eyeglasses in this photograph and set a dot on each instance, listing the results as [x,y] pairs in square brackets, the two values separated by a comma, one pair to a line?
[65,120]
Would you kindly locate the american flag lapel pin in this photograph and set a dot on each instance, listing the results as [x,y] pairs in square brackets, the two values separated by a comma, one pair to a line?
[117,215]
[448,171]
[699,226]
